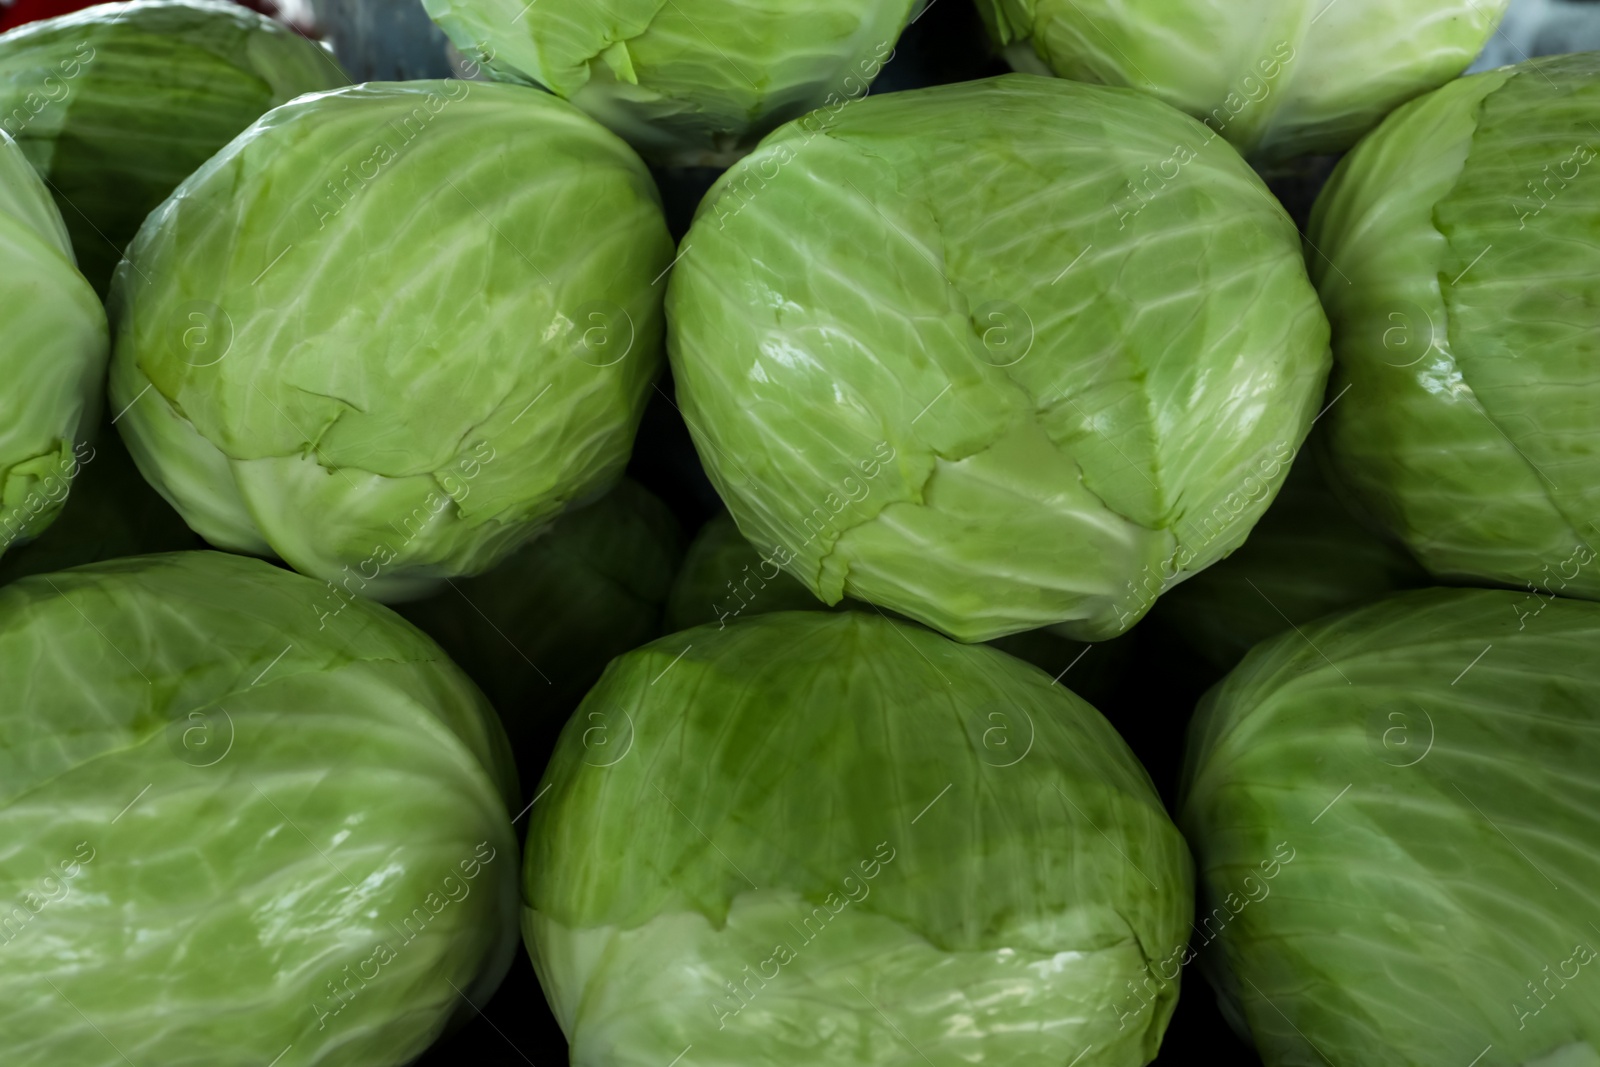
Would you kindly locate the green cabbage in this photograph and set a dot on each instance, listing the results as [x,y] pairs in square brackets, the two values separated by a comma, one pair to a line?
[390,332]
[818,837]
[1275,77]
[233,834]
[111,513]
[1397,822]
[686,81]
[927,366]
[724,578]
[52,355]
[1460,270]
[116,104]
[536,632]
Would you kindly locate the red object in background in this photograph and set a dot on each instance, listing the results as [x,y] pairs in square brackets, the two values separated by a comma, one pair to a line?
[17,12]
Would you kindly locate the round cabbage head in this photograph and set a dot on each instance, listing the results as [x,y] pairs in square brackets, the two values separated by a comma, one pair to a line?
[537,631]
[118,103]
[685,81]
[724,577]
[1463,280]
[1277,78]
[1397,822]
[935,355]
[231,832]
[826,837]
[391,331]
[52,355]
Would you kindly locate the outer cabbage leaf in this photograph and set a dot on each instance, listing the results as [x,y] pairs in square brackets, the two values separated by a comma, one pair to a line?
[390,332]
[118,103]
[818,837]
[1277,78]
[1396,815]
[231,835]
[932,359]
[52,354]
[537,631]
[684,81]
[1462,274]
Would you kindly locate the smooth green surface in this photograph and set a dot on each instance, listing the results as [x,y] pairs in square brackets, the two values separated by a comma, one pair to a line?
[684,81]
[922,852]
[1307,557]
[392,331]
[1430,763]
[211,807]
[1277,78]
[118,103]
[536,632]
[52,355]
[935,357]
[1463,280]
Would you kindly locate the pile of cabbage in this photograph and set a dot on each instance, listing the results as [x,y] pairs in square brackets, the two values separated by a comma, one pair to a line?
[435,546]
